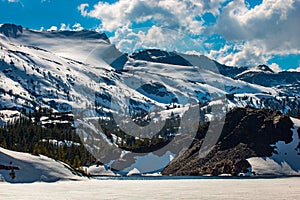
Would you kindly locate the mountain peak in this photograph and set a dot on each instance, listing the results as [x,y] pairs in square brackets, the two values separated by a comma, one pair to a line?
[14,31]
[160,56]
[264,68]
[11,30]
[83,34]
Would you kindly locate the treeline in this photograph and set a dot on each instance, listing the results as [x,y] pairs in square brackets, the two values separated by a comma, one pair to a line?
[27,134]
[150,139]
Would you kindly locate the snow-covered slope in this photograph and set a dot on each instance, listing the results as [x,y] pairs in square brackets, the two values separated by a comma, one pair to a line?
[84,73]
[68,69]
[285,162]
[33,168]
[8,115]
[257,69]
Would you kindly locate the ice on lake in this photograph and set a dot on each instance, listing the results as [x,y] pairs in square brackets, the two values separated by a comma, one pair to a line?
[277,188]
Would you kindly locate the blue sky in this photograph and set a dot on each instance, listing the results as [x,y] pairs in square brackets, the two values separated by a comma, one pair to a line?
[238,33]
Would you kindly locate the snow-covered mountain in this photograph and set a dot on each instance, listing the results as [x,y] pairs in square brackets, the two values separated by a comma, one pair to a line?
[83,73]
[66,69]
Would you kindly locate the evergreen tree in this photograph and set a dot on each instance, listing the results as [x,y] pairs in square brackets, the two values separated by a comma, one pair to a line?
[76,162]
[24,135]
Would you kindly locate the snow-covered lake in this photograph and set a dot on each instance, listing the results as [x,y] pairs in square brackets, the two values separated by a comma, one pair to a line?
[278,188]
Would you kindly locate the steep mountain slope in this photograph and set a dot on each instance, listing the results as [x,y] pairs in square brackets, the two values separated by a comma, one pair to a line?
[72,69]
[248,135]
[63,69]
[83,73]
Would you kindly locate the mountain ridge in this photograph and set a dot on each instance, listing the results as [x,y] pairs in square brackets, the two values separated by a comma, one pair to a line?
[90,78]
[12,30]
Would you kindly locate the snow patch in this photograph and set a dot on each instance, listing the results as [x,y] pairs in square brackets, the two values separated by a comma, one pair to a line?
[34,168]
[286,162]
[268,166]
[133,172]
[98,170]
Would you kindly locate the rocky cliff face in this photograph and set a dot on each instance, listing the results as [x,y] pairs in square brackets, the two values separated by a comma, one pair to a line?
[11,30]
[247,133]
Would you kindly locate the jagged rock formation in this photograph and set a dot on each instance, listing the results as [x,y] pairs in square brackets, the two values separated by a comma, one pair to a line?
[247,133]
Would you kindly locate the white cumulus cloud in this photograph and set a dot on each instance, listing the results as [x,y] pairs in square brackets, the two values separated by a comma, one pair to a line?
[77,27]
[65,27]
[257,34]
[272,25]
[173,14]
[275,67]
[239,54]
[295,70]
[253,35]
[52,28]
[130,40]
[171,21]
[213,6]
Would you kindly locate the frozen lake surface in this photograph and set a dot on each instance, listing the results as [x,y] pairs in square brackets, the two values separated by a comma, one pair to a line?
[277,188]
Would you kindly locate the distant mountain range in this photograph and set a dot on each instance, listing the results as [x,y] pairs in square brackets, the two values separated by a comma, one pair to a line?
[83,73]
[66,69]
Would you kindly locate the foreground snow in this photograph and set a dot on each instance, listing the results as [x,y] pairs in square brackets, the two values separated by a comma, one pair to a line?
[287,188]
[33,168]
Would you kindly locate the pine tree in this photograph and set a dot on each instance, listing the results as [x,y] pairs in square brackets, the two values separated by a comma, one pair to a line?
[289,113]
[3,144]
[76,162]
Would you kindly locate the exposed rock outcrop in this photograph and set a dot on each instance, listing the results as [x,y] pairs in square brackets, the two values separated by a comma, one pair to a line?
[247,133]
[11,30]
